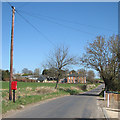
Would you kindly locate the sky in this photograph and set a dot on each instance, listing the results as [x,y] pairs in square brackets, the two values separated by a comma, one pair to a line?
[51,24]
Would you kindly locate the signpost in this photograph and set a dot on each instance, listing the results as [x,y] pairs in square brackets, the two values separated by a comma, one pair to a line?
[14,87]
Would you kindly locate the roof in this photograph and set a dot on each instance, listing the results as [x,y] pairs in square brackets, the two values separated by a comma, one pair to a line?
[75,75]
[42,78]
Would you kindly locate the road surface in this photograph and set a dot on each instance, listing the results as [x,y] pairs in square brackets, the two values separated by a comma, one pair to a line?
[74,106]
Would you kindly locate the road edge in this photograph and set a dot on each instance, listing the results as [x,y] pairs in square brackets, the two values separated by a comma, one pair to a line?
[8,114]
[105,114]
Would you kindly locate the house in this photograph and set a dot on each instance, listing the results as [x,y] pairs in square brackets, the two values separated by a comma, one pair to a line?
[42,79]
[63,80]
[32,77]
[76,78]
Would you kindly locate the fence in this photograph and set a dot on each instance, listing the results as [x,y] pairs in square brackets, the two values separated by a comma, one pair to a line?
[112,100]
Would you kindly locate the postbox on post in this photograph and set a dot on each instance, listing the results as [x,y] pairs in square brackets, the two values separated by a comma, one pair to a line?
[14,87]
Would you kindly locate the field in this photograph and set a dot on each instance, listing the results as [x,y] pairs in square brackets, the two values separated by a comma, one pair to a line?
[27,93]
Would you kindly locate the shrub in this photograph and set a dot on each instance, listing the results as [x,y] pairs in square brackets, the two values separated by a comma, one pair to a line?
[83,87]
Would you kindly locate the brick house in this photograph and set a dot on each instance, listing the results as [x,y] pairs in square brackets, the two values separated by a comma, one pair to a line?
[76,78]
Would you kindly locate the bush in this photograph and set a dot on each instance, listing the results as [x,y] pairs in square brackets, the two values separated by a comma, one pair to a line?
[114,85]
[5,75]
[70,91]
[84,87]
[6,79]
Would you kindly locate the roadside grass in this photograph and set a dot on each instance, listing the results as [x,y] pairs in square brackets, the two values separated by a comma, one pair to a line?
[8,105]
[28,93]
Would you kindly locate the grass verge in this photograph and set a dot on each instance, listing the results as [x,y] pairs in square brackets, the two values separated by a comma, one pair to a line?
[8,105]
[28,93]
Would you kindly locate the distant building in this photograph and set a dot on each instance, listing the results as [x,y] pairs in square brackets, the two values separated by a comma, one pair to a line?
[31,77]
[63,80]
[42,79]
[76,78]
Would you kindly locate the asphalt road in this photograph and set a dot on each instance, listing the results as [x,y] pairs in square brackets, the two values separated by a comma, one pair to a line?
[74,106]
[95,92]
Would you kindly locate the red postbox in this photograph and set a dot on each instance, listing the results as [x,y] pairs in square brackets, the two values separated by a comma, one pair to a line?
[14,85]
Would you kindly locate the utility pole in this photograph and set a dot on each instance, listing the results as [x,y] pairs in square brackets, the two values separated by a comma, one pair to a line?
[11,54]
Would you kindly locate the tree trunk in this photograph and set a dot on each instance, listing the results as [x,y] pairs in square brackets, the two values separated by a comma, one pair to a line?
[57,81]
[105,81]
[105,84]
[56,84]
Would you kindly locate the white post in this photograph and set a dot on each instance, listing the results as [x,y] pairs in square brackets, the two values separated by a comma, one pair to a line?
[108,101]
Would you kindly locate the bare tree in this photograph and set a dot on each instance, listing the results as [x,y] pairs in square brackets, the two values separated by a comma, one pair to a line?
[37,72]
[52,72]
[25,71]
[60,59]
[82,72]
[90,76]
[101,55]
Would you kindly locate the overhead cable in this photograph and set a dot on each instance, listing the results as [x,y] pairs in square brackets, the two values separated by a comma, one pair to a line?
[70,21]
[34,27]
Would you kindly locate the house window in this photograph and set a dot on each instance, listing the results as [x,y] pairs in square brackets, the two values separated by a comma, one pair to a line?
[69,81]
[72,81]
[69,77]
[72,77]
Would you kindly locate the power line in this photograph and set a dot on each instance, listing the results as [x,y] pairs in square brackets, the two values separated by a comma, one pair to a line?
[66,26]
[22,6]
[18,8]
[35,28]
[68,21]
[32,25]
[74,22]
[9,3]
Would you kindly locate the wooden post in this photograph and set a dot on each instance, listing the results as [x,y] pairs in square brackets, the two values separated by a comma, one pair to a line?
[14,96]
[11,54]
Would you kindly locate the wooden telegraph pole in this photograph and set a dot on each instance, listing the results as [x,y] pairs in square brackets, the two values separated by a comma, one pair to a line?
[11,54]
